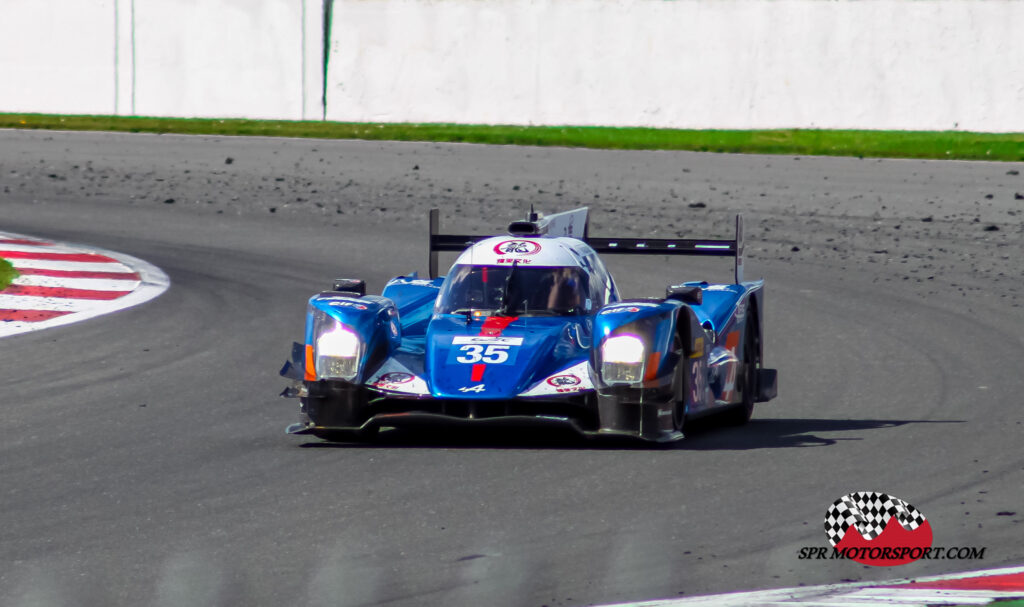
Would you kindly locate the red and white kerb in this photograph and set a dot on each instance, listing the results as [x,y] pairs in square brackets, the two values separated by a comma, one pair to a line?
[60,283]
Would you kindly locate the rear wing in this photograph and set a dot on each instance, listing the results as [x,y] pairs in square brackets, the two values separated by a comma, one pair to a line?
[569,224]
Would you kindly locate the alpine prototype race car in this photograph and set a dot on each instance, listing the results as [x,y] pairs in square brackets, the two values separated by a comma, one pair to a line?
[528,328]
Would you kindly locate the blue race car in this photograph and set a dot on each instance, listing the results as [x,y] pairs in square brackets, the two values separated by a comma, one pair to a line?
[528,328]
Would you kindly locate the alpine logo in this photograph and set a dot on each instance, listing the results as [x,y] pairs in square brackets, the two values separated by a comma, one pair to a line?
[517,247]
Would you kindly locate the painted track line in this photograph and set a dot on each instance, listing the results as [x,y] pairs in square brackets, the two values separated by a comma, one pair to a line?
[969,588]
[56,304]
[92,284]
[26,246]
[63,292]
[24,271]
[63,283]
[49,264]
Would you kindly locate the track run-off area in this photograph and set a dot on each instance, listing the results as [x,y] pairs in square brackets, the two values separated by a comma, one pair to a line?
[143,459]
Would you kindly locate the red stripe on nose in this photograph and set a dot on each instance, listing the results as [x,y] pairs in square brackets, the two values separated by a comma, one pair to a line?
[494,325]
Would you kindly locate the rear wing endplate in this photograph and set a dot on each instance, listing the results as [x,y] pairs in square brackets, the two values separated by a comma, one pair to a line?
[622,246]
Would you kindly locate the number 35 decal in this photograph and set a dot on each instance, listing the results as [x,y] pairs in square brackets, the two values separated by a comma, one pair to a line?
[492,354]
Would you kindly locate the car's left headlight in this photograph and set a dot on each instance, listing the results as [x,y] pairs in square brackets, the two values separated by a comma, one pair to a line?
[337,352]
[622,360]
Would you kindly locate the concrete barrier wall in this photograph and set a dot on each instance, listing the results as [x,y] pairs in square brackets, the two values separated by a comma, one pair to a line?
[874,64]
[57,56]
[231,58]
[216,58]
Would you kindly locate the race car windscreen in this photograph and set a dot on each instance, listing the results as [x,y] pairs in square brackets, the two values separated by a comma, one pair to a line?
[531,291]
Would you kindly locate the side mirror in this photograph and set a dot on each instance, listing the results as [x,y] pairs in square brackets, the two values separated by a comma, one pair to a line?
[354,286]
[688,295]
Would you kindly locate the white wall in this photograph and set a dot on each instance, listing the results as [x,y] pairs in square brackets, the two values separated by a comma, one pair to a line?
[877,64]
[218,58]
[57,56]
[226,58]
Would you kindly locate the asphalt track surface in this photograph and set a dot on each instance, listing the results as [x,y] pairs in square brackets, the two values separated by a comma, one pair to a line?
[142,454]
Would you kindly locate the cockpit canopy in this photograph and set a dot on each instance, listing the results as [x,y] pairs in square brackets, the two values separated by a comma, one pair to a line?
[517,290]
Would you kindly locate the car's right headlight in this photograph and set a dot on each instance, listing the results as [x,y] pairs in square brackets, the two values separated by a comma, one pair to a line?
[622,360]
[337,351]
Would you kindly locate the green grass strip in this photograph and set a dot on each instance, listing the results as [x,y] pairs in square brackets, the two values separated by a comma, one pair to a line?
[7,273]
[947,145]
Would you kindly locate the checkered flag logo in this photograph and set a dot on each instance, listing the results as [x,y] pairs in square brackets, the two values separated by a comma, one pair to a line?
[869,512]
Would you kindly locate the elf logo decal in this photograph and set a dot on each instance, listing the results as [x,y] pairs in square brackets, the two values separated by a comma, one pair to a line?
[620,310]
[346,303]
[630,307]
[517,247]
[877,529]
